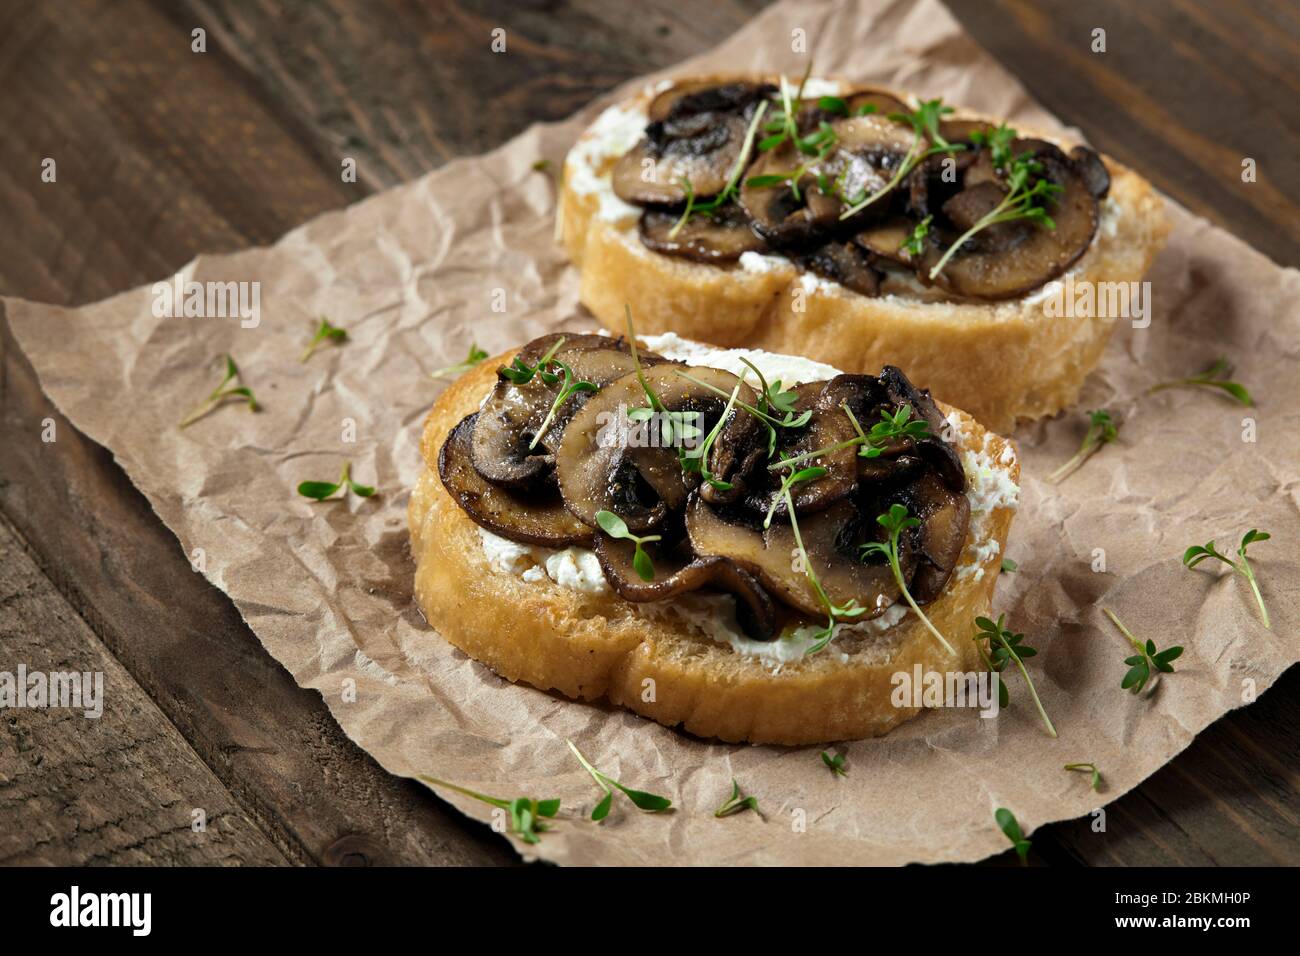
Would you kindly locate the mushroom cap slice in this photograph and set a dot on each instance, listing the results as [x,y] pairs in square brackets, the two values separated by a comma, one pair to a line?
[846,263]
[1092,169]
[678,572]
[701,149]
[945,519]
[831,539]
[705,96]
[719,237]
[885,240]
[780,217]
[538,518]
[1000,262]
[603,464]
[500,444]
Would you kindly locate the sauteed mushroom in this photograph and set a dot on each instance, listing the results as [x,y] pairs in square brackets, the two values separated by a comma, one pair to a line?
[719,237]
[537,518]
[945,516]
[678,572]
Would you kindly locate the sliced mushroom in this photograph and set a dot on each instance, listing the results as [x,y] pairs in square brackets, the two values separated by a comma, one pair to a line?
[706,96]
[938,452]
[538,518]
[886,240]
[678,572]
[846,263]
[502,447]
[777,214]
[718,237]
[602,465]
[1092,169]
[945,518]
[1000,262]
[701,150]
[832,541]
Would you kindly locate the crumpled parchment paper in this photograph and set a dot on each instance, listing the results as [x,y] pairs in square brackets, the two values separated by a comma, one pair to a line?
[413,274]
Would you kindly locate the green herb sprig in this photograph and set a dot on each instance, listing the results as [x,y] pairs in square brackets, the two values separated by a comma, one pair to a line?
[696,461]
[1216,376]
[1007,823]
[616,527]
[896,521]
[1009,566]
[694,207]
[1005,647]
[1198,553]
[835,763]
[526,814]
[736,803]
[891,427]
[914,244]
[1027,191]
[520,372]
[1102,430]
[1089,768]
[321,490]
[569,385]
[222,392]
[924,121]
[649,802]
[325,332]
[475,356]
[1145,660]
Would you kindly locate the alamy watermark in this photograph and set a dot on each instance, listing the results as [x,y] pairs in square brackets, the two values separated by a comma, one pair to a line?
[208,300]
[57,689]
[1069,299]
[923,688]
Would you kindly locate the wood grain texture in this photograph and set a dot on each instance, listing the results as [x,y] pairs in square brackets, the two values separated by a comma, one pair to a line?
[115,789]
[164,153]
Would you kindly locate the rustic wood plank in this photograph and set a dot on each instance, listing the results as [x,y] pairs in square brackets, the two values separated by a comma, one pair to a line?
[1184,92]
[405,86]
[115,789]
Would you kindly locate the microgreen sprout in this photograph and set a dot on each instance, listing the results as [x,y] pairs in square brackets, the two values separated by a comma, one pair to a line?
[222,392]
[616,527]
[1089,768]
[1146,659]
[924,121]
[835,763]
[1005,647]
[736,803]
[520,372]
[321,490]
[569,385]
[733,180]
[1027,191]
[1009,566]
[1198,553]
[1008,824]
[695,461]
[526,814]
[650,802]
[1102,430]
[914,244]
[1216,376]
[475,356]
[324,332]
[895,522]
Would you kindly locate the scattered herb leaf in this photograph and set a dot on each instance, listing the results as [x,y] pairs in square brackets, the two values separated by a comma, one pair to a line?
[1216,376]
[736,803]
[321,490]
[1009,566]
[1146,658]
[526,814]
[835,763]
[1198,553]
[475,356]
[1008,824]
[324,332]
[222,392]
[1087,768]
[650,802]
[1102,430]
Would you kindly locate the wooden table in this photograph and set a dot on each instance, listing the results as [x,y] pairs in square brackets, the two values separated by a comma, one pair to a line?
[163,153]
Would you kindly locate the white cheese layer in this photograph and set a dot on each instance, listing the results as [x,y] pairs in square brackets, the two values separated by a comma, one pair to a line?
[714,615]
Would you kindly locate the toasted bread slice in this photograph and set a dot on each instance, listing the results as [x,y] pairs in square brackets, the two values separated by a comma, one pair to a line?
[658,662]
[1000,361]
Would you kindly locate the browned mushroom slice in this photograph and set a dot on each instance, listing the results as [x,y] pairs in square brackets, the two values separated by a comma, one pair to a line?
[603,464]
[777,214]
[832,541]
[936,450]
[705,96]
[845,263]
[537,518]
[502,447]
[719,237]
[945,518]
[678,572]
[887,240]
[868,152]
[1092,169]
[701,149]
[1011,259]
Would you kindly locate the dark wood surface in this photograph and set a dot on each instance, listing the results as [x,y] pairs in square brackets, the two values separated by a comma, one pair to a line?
[163,154]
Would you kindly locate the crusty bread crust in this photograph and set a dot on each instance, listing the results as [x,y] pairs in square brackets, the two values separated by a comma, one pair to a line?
[1001,362]
[597,646]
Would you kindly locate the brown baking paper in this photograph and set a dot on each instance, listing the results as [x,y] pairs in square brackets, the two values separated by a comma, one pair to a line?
[412,273]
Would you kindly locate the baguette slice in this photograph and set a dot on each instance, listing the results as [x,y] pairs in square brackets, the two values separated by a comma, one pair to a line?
[651,660]
[1001,361]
